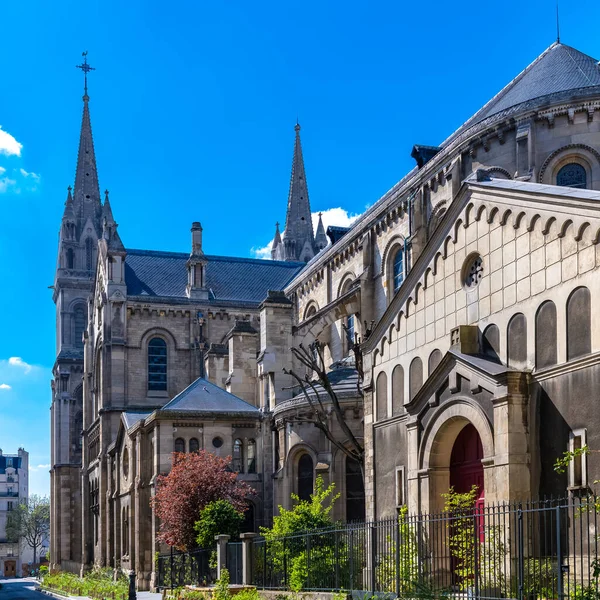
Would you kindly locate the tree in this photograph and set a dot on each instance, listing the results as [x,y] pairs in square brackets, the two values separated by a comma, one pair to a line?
[216,518]
[30,521]
[318,390]
[195,480]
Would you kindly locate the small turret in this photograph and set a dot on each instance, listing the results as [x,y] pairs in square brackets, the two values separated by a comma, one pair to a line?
[196,266]
[321,237]
[277,251]
[109,228]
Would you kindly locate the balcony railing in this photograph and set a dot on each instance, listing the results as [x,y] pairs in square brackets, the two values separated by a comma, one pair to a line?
[9,494]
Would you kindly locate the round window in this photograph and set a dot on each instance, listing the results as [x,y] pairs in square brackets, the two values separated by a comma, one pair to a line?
[472,271]
[217,442]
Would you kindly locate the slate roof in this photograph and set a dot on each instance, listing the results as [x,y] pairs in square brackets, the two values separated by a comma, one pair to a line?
[235,281]
[131,418]
[557,70]
[202,396]
[538,188]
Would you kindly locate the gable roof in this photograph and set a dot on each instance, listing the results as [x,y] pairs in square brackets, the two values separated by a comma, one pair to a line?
[230,280]
[205,397]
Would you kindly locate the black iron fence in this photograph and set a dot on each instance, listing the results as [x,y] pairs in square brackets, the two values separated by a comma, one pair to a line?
[177,569]
[546,550]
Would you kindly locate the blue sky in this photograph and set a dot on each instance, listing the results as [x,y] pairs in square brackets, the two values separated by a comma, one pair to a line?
[193,106]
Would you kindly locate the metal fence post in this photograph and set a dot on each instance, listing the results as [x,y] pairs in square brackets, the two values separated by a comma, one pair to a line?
[397,557]
[351,550]
[285,579]
[476,553]
[171,566]
[373,555]
[520,552]
[308,561]
[559,555]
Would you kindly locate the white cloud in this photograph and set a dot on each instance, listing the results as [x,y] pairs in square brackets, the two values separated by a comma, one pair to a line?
[30,174]
[8,144]
[39,467]
[2,170]
[5,386]
[6,183]
[17,361]
[332,216]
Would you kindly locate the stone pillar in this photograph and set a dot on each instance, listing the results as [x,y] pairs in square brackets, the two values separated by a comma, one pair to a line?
[247,557]
[221,553]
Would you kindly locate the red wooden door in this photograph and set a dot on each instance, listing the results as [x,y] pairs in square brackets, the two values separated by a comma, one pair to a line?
[466,469]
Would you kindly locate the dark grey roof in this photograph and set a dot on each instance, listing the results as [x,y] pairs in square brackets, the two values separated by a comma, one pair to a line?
[131,418]
[202,396]
[559,69]
[230,280]
[75,354]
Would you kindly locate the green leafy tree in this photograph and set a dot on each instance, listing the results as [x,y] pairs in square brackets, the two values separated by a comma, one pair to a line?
[218,517]
[287,550]
[30,521]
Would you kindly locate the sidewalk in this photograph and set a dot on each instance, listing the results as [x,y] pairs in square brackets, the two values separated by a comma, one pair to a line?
[140,596]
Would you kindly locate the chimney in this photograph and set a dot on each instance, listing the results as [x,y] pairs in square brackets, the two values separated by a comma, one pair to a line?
[196,238]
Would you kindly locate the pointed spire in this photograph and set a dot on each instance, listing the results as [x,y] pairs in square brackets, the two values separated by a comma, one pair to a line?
[109,228]
[69,213]
[277,248]
[107,214]
[87,190]
[299,238]
[321,237]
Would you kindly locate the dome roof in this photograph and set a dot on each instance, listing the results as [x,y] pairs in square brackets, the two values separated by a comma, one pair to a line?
[559,74]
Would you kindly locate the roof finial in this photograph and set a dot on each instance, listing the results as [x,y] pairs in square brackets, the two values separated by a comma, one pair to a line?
[86,69]
[557,25]
[297,126]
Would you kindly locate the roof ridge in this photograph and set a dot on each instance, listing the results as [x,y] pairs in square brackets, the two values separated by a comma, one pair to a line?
[215,257]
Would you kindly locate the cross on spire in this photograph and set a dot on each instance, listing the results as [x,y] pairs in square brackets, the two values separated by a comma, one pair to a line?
[86,69]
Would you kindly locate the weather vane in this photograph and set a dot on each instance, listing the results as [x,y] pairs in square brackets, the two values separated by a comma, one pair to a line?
[85,68]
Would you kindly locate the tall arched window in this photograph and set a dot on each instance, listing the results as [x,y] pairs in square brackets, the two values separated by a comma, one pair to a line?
[415,376]
[355,491]
[179,445]
[397,390]
[79,319]
[516,342]
[435,358]
[305,477]
[157,364]
[381,396]
[572,175]
[398,269]
[545,335]
[89,254]
[579,323]
[70,259]
[349,333]
[237,462]
[251,457]
[194,445]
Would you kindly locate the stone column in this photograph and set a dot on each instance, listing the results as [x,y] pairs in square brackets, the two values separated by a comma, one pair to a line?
[247,557]
[221,553]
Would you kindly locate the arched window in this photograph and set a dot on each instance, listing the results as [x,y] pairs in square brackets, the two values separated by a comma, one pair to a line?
[398,269]
[179,445]
[305,477]
[310,310]
[516,342]
[70,259]
[194,445]
[491,342]
[415,376]
[397,390]
[89,254]
[79,319]
[545,335]
[572,175]
[157,364]
[355,491]
[579,323]
[237,462]
[381,396]
[435,358]
[251,457]
[349,331]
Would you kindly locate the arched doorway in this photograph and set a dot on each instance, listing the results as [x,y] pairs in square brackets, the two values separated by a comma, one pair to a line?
[466,469]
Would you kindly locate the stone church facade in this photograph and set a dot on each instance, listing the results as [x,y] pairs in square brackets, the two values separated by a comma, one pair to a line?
[471,285]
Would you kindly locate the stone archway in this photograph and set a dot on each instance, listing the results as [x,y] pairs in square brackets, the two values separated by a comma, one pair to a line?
[466,468]
[438,443]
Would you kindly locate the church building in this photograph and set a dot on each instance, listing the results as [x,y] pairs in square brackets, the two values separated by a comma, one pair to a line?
[470,284]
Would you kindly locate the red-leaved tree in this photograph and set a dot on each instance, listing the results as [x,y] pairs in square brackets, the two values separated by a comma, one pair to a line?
[195,480]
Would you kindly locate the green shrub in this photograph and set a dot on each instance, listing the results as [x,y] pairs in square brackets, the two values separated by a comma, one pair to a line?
[222,587]
[216,518]
[247,594]
[97,584]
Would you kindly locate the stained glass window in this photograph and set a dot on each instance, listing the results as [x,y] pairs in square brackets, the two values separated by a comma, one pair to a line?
[572,175]
[398,269]
[157,365]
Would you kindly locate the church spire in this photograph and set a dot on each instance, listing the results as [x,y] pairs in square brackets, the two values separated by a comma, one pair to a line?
[86,195]
[321,237]
[277,252]
[299,241]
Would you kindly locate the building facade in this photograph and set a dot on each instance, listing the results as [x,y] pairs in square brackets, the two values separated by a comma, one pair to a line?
[14,489]
[470,286]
